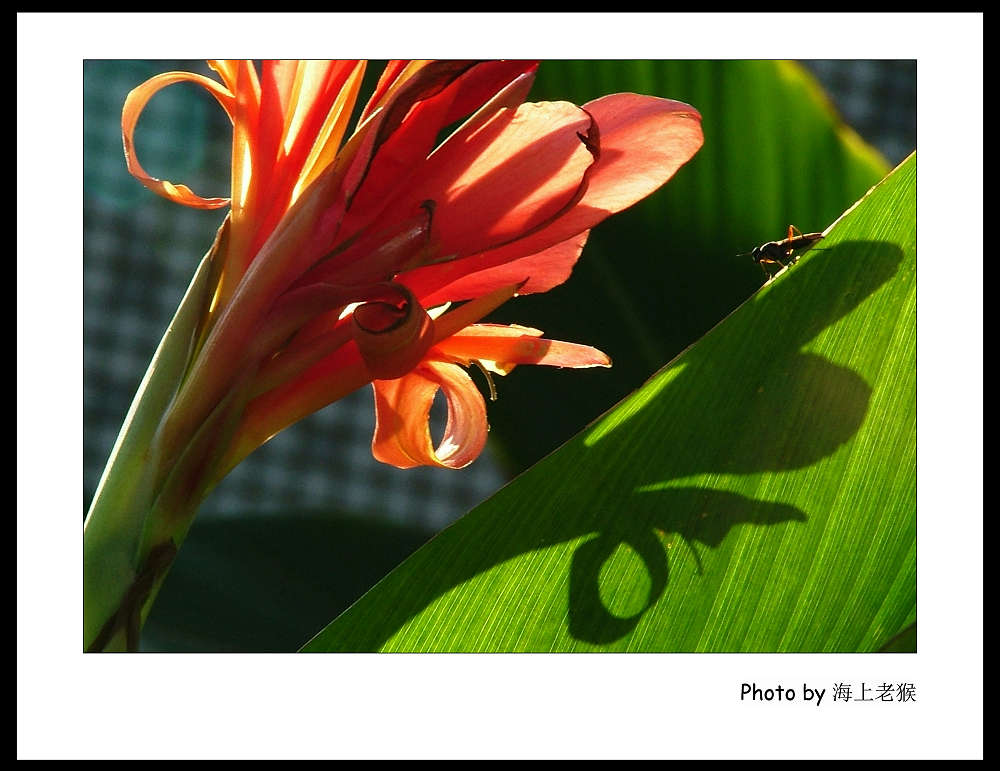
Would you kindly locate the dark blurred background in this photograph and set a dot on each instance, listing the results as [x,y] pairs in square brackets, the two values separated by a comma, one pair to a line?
[313,497]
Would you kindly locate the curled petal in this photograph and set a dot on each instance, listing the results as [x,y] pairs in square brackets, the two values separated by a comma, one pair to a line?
[339,371]
[402,410]
[393,332]
[136,102]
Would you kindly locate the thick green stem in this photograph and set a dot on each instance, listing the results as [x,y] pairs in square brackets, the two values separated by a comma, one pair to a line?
[113,554]
[124,625]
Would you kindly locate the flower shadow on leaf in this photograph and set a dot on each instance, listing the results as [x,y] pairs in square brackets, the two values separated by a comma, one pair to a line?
[713,514]
[744,431]
[748,428]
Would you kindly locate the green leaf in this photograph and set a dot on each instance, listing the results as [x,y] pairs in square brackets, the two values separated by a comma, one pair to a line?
[114,525]
[757,494]
[904,642]
[655,278]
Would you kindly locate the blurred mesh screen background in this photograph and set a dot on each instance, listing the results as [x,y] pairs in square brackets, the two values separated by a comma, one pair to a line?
[140,252]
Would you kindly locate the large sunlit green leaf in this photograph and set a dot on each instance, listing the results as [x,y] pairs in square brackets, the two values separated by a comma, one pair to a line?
[655,278]
[651,281]
[757,494]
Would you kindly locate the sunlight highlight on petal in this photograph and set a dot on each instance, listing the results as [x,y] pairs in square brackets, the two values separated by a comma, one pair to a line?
[402,409]
[336,244]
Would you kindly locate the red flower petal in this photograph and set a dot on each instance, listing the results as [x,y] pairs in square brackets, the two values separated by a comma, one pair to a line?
[402,409]
[494,84]
[386,79]
[480,84]
[534,273]
[496,181]
[508,346]
[643,140]
[304,111]
[362,154]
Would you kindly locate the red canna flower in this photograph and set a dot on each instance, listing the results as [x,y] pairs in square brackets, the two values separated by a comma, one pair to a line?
[354,258]
[340,260]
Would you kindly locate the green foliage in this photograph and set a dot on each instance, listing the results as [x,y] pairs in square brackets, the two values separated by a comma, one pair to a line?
[651,281]
[757,494]
[655,278]
[114,525]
